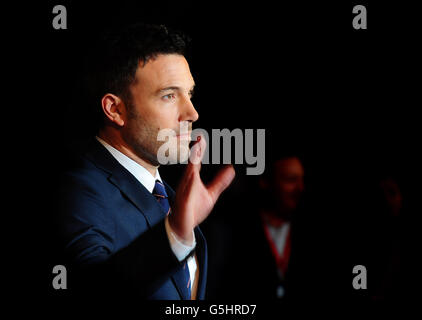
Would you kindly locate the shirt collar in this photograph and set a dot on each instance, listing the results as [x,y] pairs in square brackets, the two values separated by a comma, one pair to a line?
[138,171]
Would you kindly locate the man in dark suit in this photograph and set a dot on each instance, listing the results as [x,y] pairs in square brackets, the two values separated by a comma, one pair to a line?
[123,227]
[270,231]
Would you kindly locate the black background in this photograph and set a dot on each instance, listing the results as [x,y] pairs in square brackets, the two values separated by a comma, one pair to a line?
[299,70]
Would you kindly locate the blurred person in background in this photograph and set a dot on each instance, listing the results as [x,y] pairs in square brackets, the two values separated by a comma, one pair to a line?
[262,250]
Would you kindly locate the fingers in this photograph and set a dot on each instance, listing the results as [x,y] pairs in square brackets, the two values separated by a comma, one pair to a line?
[222,180]
[197,153]
[194,165]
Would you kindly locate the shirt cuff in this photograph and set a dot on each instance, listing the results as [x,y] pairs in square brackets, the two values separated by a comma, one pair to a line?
[180,248]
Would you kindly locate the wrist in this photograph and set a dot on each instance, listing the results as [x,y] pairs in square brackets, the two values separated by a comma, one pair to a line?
[185,235]
[181,249]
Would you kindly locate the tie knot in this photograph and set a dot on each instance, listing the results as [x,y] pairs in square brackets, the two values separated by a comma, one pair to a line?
[159,190]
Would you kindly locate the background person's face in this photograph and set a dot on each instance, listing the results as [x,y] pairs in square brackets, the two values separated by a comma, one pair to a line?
[288,183]
[161,97]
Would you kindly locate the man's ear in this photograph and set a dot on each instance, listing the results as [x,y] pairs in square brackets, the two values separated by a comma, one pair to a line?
[113,108]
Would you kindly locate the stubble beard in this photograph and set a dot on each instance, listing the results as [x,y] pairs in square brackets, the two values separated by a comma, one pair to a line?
[142,137]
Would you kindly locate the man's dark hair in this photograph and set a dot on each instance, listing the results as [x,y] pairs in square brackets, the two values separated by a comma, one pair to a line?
[112,64]
[278,148]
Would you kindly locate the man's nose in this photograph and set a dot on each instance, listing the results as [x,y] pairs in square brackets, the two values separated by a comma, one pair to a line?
[188,111]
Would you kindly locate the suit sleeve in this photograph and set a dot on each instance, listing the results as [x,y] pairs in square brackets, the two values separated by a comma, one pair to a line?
[89,236]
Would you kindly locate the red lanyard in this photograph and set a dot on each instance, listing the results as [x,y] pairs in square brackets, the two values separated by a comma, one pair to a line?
[283,259]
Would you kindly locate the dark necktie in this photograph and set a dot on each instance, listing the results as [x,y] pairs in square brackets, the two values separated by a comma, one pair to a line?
[182,275]
[161,195]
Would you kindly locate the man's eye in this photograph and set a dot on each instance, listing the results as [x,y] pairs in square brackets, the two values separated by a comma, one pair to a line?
[169,96]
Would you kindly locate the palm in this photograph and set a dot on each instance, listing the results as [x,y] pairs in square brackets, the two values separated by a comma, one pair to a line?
[194,200]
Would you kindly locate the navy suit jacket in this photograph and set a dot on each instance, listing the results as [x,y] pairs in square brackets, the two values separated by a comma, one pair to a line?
[114,233]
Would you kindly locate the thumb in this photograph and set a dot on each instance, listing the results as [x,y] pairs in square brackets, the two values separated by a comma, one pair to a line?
[222,180]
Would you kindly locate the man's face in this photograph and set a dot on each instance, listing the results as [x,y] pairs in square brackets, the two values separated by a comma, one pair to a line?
[288,183]
[161,99]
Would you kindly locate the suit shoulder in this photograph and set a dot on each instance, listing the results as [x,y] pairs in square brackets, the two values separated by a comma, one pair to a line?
[81,169]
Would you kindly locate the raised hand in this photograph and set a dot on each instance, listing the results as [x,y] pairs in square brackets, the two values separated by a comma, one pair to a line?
[194,200]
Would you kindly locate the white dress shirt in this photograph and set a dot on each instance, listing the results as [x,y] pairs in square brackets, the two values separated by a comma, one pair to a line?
[279,236]
[180,249]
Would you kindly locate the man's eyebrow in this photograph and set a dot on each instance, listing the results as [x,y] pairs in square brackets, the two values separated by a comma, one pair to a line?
[168,88]
[174,88]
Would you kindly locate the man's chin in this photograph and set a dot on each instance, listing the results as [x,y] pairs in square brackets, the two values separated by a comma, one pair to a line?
[181,158]
[183,152]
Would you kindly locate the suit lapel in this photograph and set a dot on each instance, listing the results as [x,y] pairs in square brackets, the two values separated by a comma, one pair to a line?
[149,207]
[201,253]
[127,183]
[140,197]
